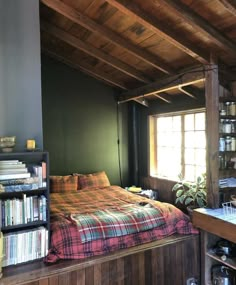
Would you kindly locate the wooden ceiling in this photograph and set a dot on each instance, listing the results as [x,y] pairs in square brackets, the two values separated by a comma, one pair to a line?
[142,47]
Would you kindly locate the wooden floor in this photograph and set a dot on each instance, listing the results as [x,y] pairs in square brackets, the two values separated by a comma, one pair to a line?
[165,262]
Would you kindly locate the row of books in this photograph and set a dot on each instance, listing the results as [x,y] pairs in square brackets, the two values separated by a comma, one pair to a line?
[22,211]
[23,246]
[17,176]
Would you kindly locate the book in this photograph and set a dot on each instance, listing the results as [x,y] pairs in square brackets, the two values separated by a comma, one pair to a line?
[11,161]
[14,176]
[19,181]
[20,187]
[12,166]
[13,170]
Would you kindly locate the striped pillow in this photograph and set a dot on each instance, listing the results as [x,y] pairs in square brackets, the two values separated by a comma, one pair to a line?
[98,179]
[67,183]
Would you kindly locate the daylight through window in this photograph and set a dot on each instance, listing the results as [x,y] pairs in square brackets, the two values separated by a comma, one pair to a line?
[178,145]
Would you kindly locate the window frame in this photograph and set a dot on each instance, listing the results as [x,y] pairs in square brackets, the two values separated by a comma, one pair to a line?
[152,137]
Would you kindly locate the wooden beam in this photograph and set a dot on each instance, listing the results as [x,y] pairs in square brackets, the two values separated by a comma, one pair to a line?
[129,8]
[199,23]
[166,84]
[162,98]
[99,75]
[77,43]
[212,130]
[230,5]
[111,36]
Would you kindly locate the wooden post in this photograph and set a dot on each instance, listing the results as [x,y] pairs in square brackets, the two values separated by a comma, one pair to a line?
[212,130]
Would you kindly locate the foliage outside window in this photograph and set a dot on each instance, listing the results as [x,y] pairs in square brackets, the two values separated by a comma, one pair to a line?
[178,145]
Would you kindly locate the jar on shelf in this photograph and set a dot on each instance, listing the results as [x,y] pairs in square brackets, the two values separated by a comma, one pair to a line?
[221,162]
[232,109]
[227,106]
[221,125]
[228,143]
[233,126]
[233,144]
[227,126]
[222,144]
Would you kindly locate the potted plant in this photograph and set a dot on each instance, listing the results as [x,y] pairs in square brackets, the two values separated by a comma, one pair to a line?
[191,194]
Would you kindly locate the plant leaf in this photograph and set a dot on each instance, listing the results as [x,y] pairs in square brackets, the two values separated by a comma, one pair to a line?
[179,192]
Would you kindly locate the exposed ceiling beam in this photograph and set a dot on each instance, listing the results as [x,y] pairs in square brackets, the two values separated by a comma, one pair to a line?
[162,98]
[108,59]
[166,84]
[181,88]
[230,5]
[104,77]
[104,32]
[129,8]
[199,23]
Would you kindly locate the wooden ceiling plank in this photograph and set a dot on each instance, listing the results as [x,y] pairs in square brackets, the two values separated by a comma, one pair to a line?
[91,25]
[230,5]
[166,84]
[98,75]
[77,43]
[199,23]
[129,8]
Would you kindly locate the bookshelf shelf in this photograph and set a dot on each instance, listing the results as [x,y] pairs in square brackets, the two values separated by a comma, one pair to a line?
[24,206]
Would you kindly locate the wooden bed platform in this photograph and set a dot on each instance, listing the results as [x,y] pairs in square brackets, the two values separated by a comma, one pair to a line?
[165,262]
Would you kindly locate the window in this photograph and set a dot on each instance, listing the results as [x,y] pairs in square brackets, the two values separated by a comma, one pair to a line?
[178,145]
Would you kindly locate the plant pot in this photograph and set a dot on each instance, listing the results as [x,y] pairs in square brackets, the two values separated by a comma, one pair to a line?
[190,210]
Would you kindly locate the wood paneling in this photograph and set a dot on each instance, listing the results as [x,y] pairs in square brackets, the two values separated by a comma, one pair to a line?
[165,262]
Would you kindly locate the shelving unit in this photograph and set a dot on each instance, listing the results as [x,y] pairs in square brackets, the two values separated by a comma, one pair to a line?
[213,228]
[227,144]
[26,227]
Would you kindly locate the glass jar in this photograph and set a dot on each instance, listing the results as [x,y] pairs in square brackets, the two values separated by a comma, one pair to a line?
[232,109]
[228,142]
[233,144]
[227,106]
[222,144]
[227,126]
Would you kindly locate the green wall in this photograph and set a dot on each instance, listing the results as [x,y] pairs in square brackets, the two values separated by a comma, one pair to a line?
[80,123]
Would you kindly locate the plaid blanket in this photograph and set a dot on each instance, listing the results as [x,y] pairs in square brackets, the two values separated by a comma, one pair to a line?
[65,237]
[116,222]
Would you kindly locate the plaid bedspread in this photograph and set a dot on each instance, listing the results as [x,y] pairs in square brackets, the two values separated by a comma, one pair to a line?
[66,242]
[116,222]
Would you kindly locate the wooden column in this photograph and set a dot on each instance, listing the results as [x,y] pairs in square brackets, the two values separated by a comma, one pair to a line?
[212,130]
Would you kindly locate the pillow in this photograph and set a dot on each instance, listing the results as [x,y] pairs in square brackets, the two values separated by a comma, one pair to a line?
[67,183]
[98,179]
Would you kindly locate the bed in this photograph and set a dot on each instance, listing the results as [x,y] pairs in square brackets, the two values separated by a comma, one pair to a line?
[71,239]
[161,247]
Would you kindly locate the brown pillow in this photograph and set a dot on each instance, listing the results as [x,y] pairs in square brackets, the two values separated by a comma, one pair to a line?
[67,183]
[98,179]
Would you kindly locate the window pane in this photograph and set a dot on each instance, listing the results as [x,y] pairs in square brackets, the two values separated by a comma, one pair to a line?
[189,122]
[200,121]
[189,156]
[200,139]
[177,123]
[189,139]
[200,157]
[189,172]
[170,146]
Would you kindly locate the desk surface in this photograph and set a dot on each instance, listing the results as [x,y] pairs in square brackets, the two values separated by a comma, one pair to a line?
[216,221]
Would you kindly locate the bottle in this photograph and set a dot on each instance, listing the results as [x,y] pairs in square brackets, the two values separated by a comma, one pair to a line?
[233,144]
[227,126]
[227,106]
[222,144]
[232,108]
[221,162]
[228,142]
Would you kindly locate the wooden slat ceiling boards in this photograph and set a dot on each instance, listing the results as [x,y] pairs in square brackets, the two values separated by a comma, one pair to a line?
[138,46]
